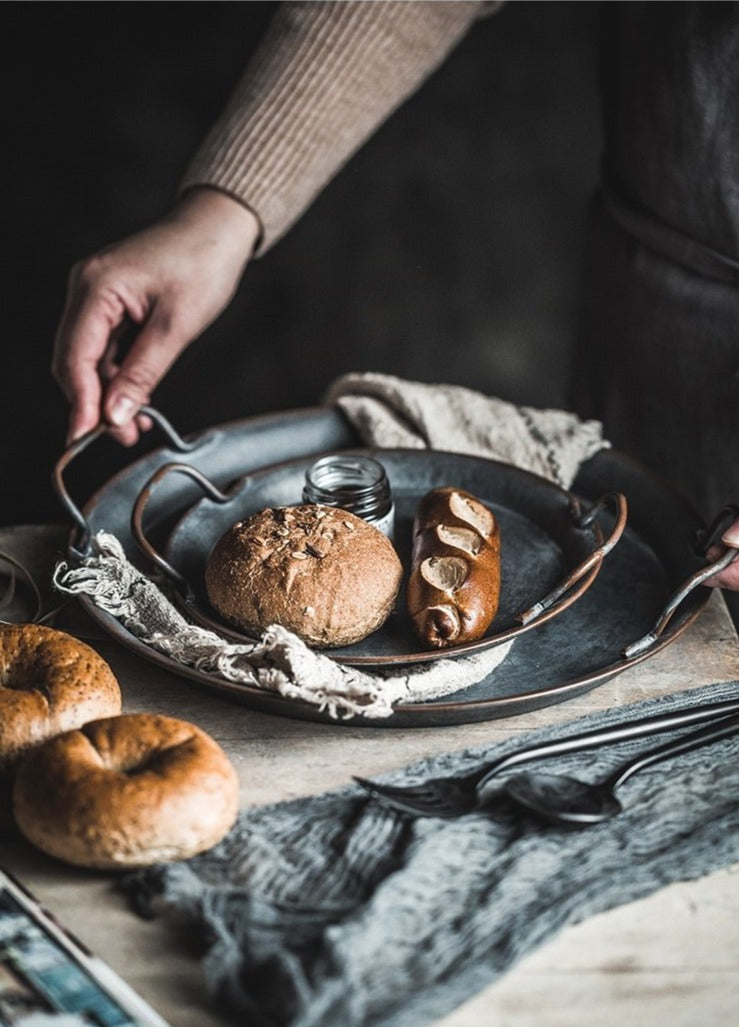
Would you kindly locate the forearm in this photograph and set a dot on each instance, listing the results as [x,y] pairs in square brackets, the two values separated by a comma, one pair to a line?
[322,80]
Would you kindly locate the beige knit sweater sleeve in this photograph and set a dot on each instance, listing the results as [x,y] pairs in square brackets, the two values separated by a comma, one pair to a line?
[323,78]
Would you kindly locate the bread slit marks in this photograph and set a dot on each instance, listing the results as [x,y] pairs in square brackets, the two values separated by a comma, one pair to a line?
[454,585]
[465,539]
[471,510]
[445,572]
[442,623]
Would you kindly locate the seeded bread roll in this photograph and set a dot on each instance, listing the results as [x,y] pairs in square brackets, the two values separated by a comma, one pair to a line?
[454,585]
[321,572]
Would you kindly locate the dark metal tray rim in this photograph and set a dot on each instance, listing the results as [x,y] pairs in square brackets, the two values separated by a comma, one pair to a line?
[442,712]
[185,593]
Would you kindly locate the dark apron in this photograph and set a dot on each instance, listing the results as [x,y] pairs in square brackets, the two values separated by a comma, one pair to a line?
[657,358]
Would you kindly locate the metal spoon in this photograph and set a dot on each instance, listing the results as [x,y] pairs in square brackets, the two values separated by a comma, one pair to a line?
[565,800]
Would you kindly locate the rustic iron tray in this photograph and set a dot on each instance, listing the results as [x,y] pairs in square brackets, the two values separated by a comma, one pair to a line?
[644,596]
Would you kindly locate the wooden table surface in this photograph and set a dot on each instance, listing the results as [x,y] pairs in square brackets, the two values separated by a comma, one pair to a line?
[671,958]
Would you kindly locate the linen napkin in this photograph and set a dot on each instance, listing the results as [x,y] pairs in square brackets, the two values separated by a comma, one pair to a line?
[388,412]
[336,910]
[394,413]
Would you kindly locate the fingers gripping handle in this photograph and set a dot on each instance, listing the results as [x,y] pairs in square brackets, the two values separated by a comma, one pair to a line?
[79,445]
[710,537]
[648,640]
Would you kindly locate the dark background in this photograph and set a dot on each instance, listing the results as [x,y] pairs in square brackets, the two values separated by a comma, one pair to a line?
[447,250]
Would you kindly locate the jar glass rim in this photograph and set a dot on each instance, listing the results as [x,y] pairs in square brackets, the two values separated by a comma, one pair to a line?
[346,473]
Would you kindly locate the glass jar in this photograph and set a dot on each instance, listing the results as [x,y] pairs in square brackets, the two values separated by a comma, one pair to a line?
[355,483]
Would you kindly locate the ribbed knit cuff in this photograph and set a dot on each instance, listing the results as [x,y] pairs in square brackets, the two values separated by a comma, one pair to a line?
[323,78]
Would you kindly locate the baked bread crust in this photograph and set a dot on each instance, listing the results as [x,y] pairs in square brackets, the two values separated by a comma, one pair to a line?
[49,682]
[454,585]
[319,571]
[126,791]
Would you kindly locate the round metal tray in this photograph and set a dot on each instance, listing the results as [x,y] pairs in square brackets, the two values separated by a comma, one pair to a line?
[637,604]
[552,549]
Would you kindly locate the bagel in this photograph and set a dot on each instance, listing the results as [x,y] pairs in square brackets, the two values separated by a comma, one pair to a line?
[49,682]
[126,791]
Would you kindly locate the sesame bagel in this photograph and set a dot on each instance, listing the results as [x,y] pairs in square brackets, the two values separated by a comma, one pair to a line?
[49,682]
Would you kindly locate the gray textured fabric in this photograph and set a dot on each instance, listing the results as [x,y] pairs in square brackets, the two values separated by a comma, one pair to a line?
[333,910]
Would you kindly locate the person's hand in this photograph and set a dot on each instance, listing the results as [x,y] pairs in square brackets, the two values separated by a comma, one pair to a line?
[169,282]
[729,576]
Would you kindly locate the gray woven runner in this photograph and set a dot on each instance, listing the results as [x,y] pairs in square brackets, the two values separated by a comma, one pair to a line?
[335,911]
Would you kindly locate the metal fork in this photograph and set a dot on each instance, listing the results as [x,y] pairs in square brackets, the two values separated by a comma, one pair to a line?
[455,796]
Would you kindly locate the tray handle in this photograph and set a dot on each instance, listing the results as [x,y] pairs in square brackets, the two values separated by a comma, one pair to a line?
[137,516]
[704,541]
[82,443]
[565,593]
